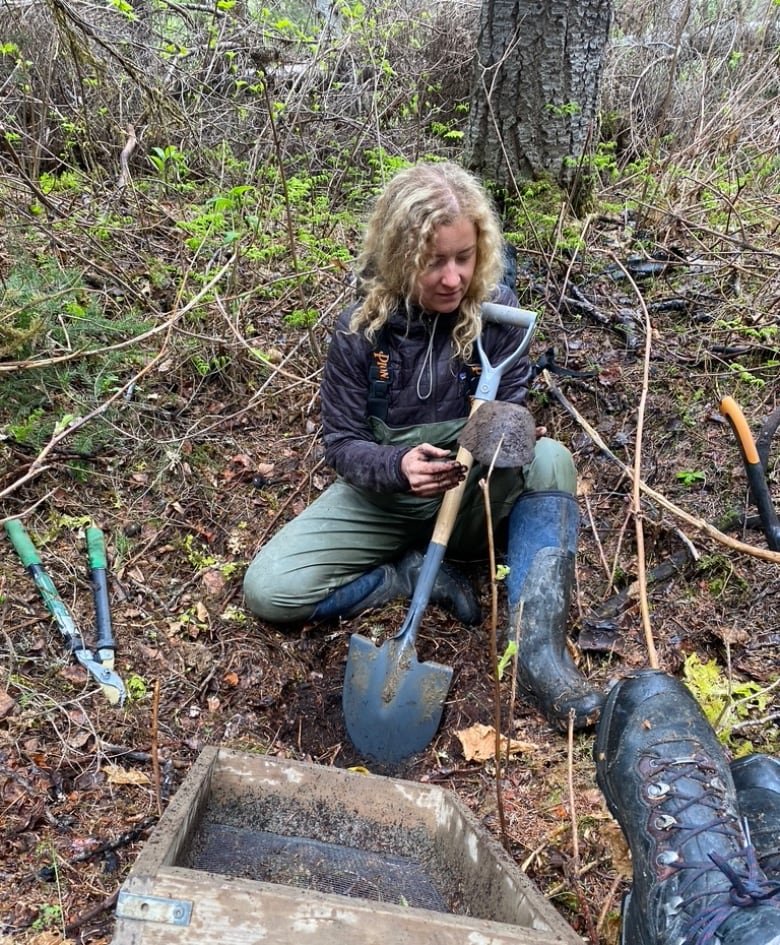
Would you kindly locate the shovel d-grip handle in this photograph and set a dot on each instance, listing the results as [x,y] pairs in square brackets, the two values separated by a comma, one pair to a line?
[490,374]
[508,315]
[754,469]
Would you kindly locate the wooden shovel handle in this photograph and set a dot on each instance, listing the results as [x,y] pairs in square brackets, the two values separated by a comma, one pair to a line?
[450,505]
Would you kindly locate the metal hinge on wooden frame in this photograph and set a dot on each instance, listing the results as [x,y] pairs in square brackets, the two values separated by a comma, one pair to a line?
[153,909]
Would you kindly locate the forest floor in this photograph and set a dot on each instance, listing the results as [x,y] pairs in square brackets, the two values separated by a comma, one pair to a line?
[82,783]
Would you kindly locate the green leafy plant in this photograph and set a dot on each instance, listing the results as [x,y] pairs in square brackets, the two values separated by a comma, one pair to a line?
[169,162]
[198,557]
[690,477]
[506,658]
[746,375]
[724,701]
[137,688]
[49,916]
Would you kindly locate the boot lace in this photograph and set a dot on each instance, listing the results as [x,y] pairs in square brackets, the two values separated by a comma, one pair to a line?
[747,889]
[742,888]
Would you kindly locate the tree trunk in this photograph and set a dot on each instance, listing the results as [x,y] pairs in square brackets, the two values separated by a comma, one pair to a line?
[534,102]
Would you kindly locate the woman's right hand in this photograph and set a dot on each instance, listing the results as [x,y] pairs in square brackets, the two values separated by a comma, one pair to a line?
[431,471]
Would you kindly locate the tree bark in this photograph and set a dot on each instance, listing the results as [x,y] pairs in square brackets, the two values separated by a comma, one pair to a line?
[535,97]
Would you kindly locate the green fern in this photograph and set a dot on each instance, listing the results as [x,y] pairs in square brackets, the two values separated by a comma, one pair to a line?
[724,702]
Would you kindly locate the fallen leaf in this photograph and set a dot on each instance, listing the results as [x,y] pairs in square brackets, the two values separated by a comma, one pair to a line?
[74,673]
[116,775]
[7,704]
[46,938]
[213,581]
[610,374]
[79,739]
[479,743]
[230,679]
[612,837]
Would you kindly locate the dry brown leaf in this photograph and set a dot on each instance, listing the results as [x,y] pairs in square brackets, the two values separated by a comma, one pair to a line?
[117,775]
[479,743]
[612,837]
[214,582]
[7,704]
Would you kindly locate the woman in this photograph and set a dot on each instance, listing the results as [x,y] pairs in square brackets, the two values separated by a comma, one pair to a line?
[399,375]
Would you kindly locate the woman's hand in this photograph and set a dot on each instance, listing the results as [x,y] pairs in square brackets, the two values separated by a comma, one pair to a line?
[431,471]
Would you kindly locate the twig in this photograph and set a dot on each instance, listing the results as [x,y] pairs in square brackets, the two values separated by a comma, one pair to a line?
[599,546]
[575,841]
[484,485]
[618,549]
[105,906]
[30,508]
[608,903]
[514,633]
[47,873]
[672,566]
[124,158]
[752,723]
[155,747]
[258,355]
[699,524]
[9,366]
[636,500]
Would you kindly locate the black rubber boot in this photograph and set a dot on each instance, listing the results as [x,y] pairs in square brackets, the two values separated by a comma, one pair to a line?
[451,590]
[757,779]
[667,781]
[542,543]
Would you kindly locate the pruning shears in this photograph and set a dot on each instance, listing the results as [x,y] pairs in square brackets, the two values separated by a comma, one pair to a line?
[99,663]
[755,468]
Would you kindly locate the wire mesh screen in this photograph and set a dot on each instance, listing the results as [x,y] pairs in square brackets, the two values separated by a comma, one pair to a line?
[315,864]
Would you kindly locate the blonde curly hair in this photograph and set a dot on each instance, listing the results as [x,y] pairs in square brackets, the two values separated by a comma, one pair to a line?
[399,239]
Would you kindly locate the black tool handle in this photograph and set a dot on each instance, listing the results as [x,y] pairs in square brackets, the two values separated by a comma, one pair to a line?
[759,488]
[98,566]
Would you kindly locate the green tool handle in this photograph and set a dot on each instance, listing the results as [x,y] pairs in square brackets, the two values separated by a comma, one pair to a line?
[96,549]
[51,598]
[98,563]
[21,542]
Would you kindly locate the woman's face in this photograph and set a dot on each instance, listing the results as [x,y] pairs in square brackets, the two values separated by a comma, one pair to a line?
[445,280]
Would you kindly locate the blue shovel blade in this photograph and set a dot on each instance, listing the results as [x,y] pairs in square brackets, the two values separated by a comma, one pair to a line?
[392,703]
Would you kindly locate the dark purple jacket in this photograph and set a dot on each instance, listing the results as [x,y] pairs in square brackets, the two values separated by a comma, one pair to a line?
[351,447]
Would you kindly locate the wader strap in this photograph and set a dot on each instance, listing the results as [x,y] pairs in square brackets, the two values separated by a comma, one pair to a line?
[379,380]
